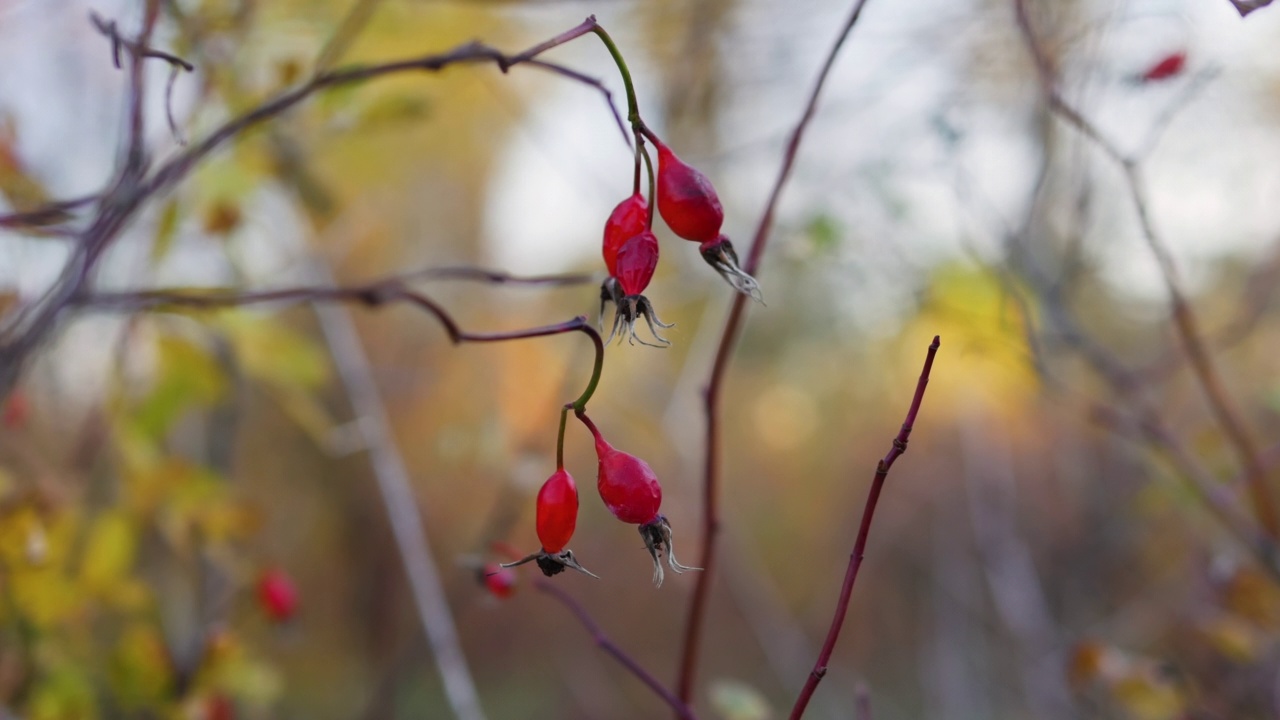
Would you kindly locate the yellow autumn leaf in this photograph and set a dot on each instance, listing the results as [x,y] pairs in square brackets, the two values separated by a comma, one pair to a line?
[140,671]
[271,352]
[1148,696]
[110,548]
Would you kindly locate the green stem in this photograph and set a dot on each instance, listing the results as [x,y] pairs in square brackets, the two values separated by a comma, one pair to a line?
[564,418]
[581,403]
[633,107]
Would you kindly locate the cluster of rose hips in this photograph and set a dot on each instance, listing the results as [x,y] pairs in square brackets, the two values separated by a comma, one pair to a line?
[688,203]
[629,489]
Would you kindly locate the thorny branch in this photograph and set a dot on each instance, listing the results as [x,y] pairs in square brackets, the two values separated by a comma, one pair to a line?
[1184,318]
[898,447]
[719,367]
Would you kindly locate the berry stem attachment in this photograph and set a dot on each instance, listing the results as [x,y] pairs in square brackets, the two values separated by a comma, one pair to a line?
[653,180]
[564,418]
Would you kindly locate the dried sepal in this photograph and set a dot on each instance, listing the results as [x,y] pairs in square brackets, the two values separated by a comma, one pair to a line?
[657,540]
[721,256]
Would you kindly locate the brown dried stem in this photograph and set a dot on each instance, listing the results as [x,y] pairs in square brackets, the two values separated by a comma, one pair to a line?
[719,367]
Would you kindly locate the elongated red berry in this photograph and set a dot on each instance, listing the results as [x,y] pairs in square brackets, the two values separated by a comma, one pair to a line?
[627,485]
[277,595]
[1169,66]
[686,199]
[637,260]
[557,514]
[499,581]
[628,219]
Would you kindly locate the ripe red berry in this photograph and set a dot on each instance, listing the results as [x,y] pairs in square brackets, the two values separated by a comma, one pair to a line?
[631,491]
[628,219]
[557,516]
[499,581]
[627,485]
[557,511]
[277,595]
[1169,66]
[637,261]
[686,199]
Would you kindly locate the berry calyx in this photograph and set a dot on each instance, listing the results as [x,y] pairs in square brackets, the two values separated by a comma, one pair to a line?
[721,256]
[277,595]
[687,201]
[631,491]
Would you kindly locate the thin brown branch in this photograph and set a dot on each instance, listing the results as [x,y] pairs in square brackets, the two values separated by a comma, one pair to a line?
[898,447]
[374,292]
[681,708]
[1184,319]
[131,191]
[711,395]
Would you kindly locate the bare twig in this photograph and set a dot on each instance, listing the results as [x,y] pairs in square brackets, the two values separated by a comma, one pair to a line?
[131,190]
[682,709]
[719,367]
[52,213]
[860,544]
[371,293]
[1184,319]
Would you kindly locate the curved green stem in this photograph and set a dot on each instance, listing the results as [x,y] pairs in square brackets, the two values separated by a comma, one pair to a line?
[564,418]
[581,403]
[633,107]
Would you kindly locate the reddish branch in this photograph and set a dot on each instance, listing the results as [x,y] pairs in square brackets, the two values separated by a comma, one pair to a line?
[1184,319]
[602,641]
[711,395]
[860,544]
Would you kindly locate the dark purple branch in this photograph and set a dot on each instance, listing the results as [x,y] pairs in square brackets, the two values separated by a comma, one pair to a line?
[860,544]
[602,641]
[711,395]
[52,213]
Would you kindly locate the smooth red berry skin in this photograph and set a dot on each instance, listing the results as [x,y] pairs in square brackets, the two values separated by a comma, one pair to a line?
[628,219]
[1170,66]
[277,595]
[686,199]
[627,485]
[637,260]
[557,515]
[499,581]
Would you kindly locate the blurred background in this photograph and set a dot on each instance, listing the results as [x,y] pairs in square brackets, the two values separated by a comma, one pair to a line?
[190,522]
